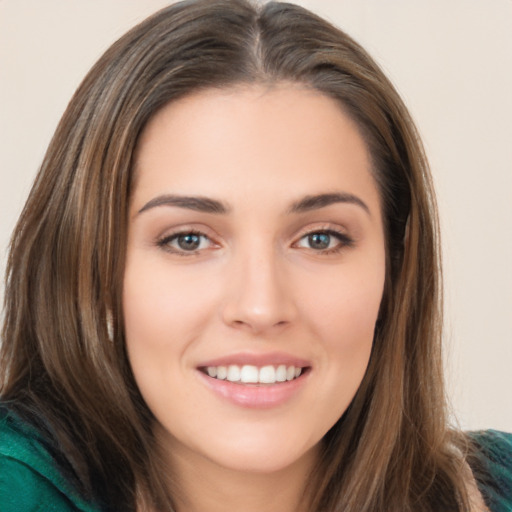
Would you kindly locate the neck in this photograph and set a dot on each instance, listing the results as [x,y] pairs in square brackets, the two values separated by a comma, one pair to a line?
[209,491]
[200,485]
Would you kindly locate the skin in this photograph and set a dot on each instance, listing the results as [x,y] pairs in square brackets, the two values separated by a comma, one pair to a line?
[256,284]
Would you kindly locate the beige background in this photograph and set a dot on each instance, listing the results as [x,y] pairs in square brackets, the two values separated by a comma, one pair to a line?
[452,62]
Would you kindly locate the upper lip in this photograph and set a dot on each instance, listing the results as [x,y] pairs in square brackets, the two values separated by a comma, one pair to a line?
[255,359]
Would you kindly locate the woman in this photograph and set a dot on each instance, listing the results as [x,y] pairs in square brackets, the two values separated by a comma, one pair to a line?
[224,288]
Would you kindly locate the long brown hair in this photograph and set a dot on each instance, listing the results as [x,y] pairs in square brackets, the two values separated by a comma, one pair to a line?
[62,368]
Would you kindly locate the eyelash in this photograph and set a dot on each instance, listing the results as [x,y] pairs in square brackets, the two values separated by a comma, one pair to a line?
[344,241]
[165,242]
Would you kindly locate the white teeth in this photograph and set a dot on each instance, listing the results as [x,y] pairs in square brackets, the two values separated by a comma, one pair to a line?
[267,375]
[281,373]
[233,373]
[249,374]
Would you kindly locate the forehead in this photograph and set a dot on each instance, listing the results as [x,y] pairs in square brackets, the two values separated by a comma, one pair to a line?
[254,138]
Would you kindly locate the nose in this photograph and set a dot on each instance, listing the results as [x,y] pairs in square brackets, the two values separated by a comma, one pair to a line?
[259,298]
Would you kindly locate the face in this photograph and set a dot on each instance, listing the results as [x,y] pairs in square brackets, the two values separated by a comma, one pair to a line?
[255,270]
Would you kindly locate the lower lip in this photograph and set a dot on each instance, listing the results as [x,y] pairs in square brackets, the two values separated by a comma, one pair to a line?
[256,396]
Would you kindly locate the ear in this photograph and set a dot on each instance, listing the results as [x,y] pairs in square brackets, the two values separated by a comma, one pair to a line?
[406,230]
[110,325]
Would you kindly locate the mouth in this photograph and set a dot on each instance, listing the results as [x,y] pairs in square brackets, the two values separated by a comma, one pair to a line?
[255,375]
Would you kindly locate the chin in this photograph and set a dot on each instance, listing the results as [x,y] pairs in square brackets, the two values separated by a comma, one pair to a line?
[264,462]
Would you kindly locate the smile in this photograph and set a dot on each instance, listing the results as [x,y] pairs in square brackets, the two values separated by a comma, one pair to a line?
[250,374]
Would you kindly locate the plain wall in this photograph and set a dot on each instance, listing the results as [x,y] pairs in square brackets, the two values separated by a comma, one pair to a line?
[452,62]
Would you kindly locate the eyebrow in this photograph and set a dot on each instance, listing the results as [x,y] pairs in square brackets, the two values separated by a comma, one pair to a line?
[208,205]
[315,202]
[196,203]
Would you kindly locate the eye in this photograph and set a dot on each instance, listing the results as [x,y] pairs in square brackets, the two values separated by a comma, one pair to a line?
[185,242]
[324,241]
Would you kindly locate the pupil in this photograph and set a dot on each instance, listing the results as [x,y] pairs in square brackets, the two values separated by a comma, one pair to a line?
[319,240]
[189,241]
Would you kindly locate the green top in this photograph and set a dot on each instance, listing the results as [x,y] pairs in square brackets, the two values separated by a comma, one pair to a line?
[29,478]
[31,482]
[494,476]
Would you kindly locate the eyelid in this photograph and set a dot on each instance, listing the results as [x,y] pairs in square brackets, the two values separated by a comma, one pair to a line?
[163,241]
[344,238]
[322,228]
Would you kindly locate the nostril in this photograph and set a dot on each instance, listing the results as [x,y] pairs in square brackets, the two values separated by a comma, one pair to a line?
[259,325]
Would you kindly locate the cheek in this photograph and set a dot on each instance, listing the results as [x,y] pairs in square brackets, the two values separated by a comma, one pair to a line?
[346,327]
[343,322]
[345,304]
[164,313]
[160,305]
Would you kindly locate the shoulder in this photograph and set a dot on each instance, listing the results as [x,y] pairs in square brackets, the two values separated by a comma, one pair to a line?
[492,466]
[29,477]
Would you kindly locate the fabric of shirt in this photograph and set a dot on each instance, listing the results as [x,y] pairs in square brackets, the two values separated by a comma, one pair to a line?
[30,480]
[494,477]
